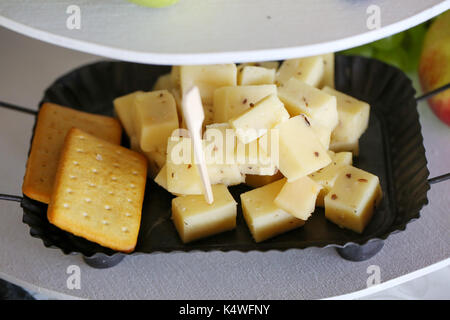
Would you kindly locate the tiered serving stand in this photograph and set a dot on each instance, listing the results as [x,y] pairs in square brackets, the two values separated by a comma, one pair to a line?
[223,31]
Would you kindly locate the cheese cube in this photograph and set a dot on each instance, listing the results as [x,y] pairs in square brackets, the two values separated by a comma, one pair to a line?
[299,197]
[161,177]
[123,107]
[207,78]
[264,219]
[353,117]
[194,218]
[340,146]
[327,176]
[322,132]
[175,76]
[352,200]
[155,117]
[178,101]
[299,97]
[250,75]
[220,144]
[256,121]
[208,110]
[255,161]
[263,64]
[226,174]
[183,176]
[300,151]
[223,147]
[328,74]
[230,102]
[257,181]
[219,148]
[309,70]
[163,82]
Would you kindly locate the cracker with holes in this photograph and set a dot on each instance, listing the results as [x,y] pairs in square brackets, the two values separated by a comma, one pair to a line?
[99,191]
[52,125]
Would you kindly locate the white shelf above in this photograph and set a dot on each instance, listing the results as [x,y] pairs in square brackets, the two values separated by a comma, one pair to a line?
[213,31]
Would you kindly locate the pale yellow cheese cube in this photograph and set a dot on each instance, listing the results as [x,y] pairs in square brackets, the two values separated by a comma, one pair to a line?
[255,160]
[226,174]
[207,78]
[208,110]
[161,177]
[328,74]
[353,117]
[300,151]
[230,102]
[183,176]
[340,146]
[264,219]
[257,181]
[220,144]
[256,121]
[353,199]
[219,149]
[194,218]
[178,100]
[164,82]
[250,75]
[155,117]
[223,148]
[309,70]
[123,107]
[327,176]
[299,197]
[175,76]
[301,98]
[322,132]
[263,64]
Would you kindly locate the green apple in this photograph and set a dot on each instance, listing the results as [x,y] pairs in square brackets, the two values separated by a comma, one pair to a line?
[389,43]
[154,3]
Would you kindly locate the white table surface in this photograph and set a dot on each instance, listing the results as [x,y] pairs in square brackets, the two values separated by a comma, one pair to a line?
[214,31]
[422,252]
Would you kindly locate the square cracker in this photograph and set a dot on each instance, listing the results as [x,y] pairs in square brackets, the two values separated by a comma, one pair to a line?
[99,191]
[52,125]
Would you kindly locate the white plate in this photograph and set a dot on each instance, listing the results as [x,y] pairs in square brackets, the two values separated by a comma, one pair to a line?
[214,31]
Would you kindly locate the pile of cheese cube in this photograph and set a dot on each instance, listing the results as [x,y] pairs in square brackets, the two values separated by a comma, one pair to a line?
[289,134]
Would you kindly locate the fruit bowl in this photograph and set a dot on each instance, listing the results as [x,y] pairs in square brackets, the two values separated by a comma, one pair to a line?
[391,148]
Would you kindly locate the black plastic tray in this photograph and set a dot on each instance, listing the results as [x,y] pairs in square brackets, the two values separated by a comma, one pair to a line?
[392,148]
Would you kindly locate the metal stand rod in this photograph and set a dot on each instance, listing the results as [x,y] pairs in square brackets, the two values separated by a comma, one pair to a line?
[433,92]
[9,197]
[438,179]
[17,108]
